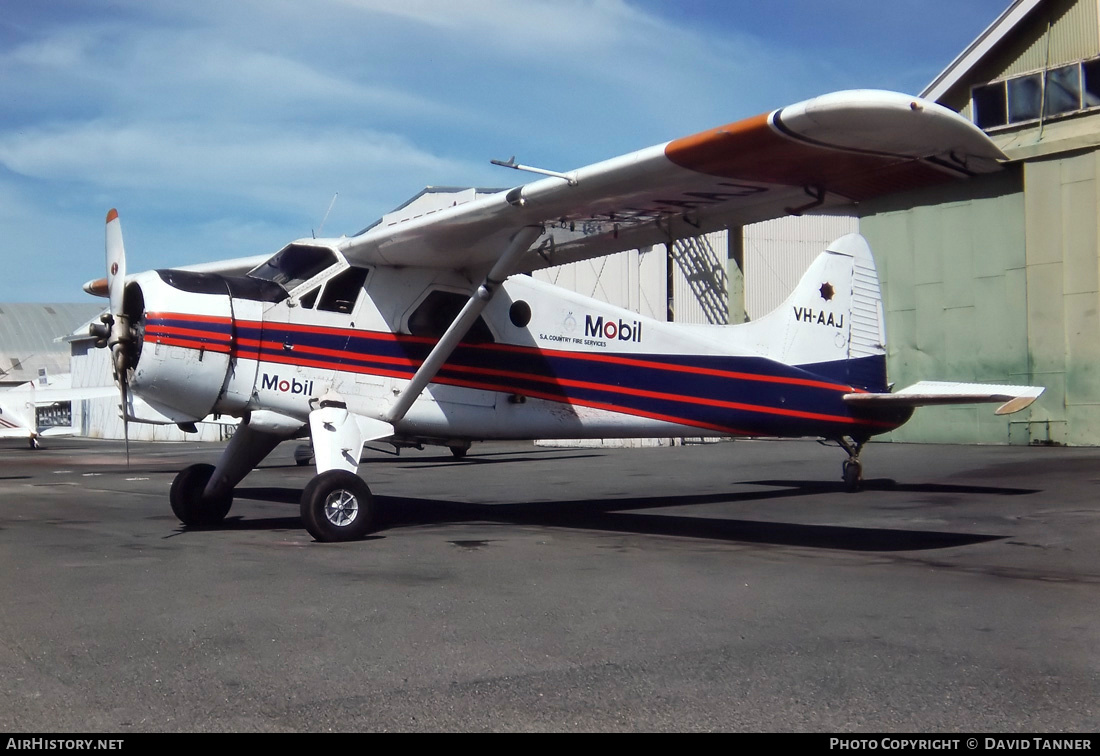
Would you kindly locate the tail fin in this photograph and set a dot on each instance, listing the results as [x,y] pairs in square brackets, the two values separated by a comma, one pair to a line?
[832,323]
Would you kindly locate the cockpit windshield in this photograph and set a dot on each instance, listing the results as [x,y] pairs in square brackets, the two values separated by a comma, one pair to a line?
[294,265]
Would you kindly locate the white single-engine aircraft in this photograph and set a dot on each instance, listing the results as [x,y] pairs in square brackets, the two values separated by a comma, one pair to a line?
[19,406]
[420,331]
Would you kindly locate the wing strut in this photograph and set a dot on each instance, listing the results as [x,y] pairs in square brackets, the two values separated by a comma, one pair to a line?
[503,268]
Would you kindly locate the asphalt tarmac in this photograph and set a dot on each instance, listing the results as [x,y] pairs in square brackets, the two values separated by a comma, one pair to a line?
[720,587]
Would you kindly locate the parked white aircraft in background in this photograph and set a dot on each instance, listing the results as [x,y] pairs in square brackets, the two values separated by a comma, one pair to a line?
[20,405]
[420,331]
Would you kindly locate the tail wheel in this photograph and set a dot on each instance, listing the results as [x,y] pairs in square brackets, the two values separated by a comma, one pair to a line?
[338,506]
[853,475]
[187,500]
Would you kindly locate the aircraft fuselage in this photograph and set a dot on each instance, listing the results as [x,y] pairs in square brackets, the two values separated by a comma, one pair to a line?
[541,362]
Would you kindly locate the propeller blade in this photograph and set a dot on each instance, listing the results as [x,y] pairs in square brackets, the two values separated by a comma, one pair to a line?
[116,262]
[120,332]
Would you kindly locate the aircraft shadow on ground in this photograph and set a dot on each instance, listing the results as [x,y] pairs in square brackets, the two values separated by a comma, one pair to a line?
[888,484]
[449,460]
[621,516]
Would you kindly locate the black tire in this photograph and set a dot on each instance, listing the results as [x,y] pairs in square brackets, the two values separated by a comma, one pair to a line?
[188,503]
[853,475]
[459,452]
[338,506]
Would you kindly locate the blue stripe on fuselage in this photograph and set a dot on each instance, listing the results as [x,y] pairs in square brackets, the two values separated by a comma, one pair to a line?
[751,395]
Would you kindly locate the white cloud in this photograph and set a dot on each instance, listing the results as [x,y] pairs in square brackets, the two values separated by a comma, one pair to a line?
[223,129]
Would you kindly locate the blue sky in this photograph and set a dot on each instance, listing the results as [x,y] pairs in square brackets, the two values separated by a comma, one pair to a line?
[223,129]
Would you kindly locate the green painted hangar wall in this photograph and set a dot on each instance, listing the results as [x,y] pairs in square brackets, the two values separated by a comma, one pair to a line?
[995,280]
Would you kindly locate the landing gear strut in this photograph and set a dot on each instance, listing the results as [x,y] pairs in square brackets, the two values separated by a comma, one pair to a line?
[852,470]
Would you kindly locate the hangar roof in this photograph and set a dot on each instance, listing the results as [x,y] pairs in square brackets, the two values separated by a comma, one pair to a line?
[31,337]
[976,50]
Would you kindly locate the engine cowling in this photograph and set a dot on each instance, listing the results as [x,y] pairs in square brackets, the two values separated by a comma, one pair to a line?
[185,328]
[182,347]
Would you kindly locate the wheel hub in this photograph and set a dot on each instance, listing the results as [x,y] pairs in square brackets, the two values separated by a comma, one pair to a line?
[341,508]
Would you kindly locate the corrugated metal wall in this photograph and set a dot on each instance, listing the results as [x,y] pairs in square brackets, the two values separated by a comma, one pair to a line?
[777,253]
[698,267]
[1062,31]
[29,334]
[635,279]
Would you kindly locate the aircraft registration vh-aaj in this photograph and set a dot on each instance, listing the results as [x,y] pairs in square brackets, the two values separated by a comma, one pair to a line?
[421,331]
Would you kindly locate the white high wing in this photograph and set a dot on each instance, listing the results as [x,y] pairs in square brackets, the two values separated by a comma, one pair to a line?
[420,331]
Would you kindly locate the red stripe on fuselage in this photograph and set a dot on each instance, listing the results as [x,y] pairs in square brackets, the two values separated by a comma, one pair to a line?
[198,346]
[163,330]
[403,368]
[186,316]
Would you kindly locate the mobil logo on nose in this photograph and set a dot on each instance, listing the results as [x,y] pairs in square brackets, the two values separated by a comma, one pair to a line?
[292,386]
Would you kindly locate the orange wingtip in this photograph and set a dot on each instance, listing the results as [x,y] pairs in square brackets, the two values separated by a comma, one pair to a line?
[112,214]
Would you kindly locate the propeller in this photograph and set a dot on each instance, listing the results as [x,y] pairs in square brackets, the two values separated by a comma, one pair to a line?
[114,329]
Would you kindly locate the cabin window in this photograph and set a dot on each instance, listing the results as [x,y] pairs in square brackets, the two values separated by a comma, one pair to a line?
[434,316]
[342,291]
[519,313]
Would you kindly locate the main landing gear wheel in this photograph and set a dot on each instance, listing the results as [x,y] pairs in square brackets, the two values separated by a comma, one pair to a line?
[338,506]
[187,500]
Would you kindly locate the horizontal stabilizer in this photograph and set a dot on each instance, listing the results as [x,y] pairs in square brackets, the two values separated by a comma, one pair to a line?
[926,393]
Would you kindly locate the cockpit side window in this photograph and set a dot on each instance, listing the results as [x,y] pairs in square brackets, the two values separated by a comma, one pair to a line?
[342,291]
[308,299]
[294,265]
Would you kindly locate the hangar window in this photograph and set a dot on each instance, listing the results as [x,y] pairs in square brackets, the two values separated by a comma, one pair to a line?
[1025,95]
[439,309]
[990,109]
[1029,97]
[1063,90]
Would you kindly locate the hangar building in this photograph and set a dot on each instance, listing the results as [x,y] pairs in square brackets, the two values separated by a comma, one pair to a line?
[31,338]
[996,279]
